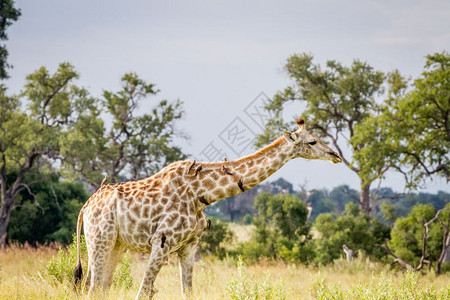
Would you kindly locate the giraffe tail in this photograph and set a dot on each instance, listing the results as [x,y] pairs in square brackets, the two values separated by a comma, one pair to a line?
[78,271]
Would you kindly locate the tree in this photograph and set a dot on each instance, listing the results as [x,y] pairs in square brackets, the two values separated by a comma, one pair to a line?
[336,100]
[62,126]
[413,131]
[134,146]
[319,202]
[29,141]
[8,15]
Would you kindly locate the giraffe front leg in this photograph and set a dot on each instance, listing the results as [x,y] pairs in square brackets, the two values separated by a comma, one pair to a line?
[158,257]
[186,263]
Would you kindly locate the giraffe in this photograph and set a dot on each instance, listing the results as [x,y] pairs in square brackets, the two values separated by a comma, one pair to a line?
[163,214]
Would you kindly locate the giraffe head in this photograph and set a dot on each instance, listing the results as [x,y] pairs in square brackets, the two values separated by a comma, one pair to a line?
[308,145]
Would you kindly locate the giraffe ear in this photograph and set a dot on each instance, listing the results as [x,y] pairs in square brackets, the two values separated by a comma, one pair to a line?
[289,136]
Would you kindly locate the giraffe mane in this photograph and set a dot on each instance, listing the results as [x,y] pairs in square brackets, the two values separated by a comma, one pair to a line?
[263,150]
[260,152]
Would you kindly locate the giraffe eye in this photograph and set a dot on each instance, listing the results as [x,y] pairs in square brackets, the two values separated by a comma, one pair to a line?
[312,143]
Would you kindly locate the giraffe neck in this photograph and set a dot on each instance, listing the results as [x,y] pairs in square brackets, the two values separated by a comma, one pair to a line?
[244,173]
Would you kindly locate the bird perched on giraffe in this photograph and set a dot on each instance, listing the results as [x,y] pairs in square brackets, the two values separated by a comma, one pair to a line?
[163,214]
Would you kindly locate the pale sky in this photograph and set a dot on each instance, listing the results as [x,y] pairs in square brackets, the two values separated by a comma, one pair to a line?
[219,56]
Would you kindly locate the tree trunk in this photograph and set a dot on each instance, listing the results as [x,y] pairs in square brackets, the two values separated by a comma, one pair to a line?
[445,253]
[3,228]
[5,214]
[364,198]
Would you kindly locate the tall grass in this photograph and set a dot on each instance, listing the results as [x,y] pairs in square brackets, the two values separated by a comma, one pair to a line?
[242,286]
[21,277]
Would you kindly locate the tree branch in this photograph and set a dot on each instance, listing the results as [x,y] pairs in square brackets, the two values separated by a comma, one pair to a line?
[50,97]
[396,258]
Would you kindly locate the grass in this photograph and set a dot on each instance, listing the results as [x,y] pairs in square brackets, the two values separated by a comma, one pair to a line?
[23,276]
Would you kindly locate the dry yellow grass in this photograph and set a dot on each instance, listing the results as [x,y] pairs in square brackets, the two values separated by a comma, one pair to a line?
[17,260]
[22,276]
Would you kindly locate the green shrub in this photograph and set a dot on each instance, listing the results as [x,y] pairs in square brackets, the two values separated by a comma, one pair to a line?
[242,287]
[215,238]
[253,250]
[407,234]
[358,231]
[247,219]
[122,275]
[60,267]
[298,252]
[281,230]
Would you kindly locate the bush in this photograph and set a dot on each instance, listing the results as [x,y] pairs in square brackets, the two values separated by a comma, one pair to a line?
[358,231]
[122,275]
[407,234]
[303,253]
[247,219]
[60,267]
[215,238]
[253,250]
[282,230]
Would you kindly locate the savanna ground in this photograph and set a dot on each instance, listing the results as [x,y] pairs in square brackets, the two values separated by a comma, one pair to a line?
[24,275]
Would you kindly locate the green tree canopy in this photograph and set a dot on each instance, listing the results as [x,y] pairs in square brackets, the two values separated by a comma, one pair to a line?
[134,146]
[8,15]
[412,132]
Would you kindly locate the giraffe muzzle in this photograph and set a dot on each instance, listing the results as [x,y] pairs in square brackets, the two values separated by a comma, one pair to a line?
[335,158]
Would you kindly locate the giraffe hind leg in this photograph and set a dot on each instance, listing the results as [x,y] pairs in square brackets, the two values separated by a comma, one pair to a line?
[100,250]
[114,258]
[88,277]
